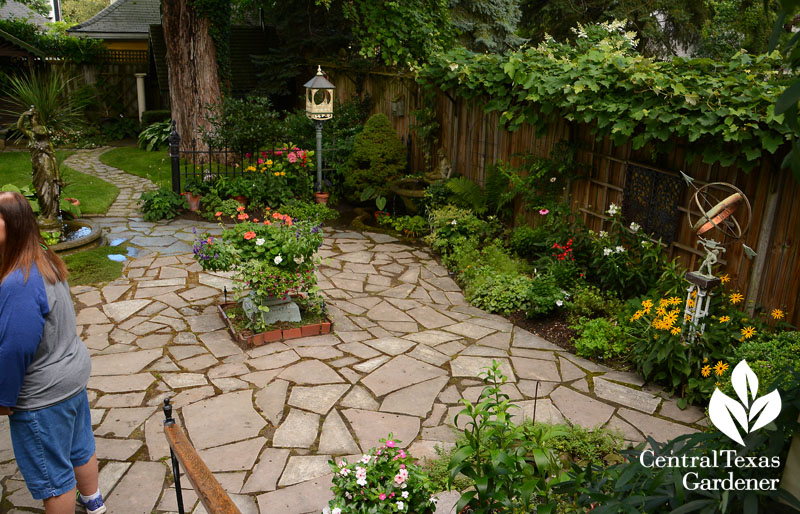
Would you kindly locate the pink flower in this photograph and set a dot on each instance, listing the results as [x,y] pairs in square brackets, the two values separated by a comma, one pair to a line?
[390,443]
[260,161]
[544,212]
[292,157]
[248,155]
[382,496]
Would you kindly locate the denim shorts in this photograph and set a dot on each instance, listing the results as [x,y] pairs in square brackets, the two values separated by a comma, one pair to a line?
[48,443]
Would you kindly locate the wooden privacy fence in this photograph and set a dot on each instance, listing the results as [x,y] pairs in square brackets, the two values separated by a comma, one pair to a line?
[472,140]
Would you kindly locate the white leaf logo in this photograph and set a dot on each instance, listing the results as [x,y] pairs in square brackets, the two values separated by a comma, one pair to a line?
[723,409]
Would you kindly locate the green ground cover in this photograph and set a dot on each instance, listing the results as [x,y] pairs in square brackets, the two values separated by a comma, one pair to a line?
[93,266]
[151,165]
[95,195]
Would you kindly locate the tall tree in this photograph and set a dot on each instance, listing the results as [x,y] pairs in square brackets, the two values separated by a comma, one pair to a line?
[78,11]
[487,25]
[194,78]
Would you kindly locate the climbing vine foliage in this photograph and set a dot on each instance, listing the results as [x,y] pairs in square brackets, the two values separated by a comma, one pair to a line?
[724,109]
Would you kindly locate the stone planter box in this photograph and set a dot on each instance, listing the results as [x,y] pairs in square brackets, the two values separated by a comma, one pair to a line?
[271,336]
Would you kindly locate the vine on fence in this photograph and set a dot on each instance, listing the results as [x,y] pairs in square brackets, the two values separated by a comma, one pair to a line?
[724,108]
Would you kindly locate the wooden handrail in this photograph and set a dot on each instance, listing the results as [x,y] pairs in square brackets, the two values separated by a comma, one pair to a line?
[208,489]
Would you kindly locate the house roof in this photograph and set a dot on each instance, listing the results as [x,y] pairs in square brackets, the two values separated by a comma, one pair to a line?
[15,47]
[12,9]
[124,19]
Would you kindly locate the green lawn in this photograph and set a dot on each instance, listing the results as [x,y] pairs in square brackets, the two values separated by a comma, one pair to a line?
[152,165]
[94,266]
[95,195]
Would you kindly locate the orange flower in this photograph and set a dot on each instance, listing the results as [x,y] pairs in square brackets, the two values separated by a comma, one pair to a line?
[218,214]
[243,216]
[240,208]
[249,235]
[267,222]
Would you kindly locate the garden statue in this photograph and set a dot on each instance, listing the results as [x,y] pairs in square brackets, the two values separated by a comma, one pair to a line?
[713,250]
[46,178]
[442,171]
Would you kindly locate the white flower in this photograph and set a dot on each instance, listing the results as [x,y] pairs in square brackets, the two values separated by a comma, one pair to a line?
[365,459]
[607,251]
[454,222]
[278,259]
[559,303]
[260,241]
[619,249]
[348,495]
[337,510]
[434,500]
[362,482]
[635,226]
[646,244]
[453,66]
[401,505]
[552,179]
[344,472]
[326,510]
[613,210]
[403,486]
[404,494]
[603,233]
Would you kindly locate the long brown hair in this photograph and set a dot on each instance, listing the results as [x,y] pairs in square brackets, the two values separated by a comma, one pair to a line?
[24,244]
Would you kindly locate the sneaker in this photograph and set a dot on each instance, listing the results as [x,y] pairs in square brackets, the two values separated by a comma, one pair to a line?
[95,506]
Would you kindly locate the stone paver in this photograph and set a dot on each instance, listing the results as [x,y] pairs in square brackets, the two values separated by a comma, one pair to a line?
[405,350]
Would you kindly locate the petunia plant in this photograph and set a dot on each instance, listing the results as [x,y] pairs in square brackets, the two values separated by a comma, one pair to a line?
[385,480]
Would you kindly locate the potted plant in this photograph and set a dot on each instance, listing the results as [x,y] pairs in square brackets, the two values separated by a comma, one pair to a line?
[194,190]
[323,194]
[239,188]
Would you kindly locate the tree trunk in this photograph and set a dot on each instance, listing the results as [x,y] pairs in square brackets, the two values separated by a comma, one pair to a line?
[192,67]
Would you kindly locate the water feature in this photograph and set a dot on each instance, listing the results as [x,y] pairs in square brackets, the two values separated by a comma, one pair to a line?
[80,234]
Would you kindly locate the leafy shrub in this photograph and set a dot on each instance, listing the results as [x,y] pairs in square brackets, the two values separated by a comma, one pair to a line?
[155,136]
[527,241]
[436,195]
[495,291]
[50,93]
[378,158]
[120,128]
[589,302]
[769,357]
[55,43]
[545,296]
[599,338]
[211,205]
[246,124]
[451,227]
[155,116]
[584,446]
[312,211]
[412,226]
[161,204]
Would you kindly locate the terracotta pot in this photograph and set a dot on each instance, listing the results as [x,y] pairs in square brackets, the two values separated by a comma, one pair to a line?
[321,197]
[292,333]
[325,328]
[310,330]
[272,336]
[242,199]
[193,200]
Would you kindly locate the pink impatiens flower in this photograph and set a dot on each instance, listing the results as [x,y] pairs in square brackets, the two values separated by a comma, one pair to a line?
[292,157]
[390,444]
[382,496]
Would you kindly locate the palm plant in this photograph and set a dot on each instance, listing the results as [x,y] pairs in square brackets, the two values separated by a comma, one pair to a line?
[49,92]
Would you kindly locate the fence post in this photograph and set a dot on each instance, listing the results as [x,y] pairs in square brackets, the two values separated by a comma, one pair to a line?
[176,469]
[175,157]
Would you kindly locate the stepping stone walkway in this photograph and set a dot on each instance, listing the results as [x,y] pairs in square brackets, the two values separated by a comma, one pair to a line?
[406,348]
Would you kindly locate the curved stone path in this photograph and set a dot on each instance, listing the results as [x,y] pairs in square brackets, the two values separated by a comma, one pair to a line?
[406,349]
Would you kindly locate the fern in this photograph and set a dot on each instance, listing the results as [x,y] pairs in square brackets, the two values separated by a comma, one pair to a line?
[499,194]
[468,194]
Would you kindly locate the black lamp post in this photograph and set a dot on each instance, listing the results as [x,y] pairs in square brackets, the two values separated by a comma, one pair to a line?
[319,109]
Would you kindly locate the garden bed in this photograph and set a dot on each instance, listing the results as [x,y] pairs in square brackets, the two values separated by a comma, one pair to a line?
[311,325]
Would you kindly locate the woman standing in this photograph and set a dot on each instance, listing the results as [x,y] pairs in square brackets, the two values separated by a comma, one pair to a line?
[44,368]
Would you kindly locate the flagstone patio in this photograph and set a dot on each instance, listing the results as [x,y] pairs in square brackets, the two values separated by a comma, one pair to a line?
[406,348]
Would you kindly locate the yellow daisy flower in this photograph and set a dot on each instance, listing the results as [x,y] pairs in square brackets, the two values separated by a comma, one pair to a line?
[636,315]
[706,370]
[705,359]
[277,173]
[675,300]
[687,318]
[661,311]
[694,293]
[647,304]
[675,331]
[718,384]
[663,302]
[690,303]
[269,162]
[777,314]
[283,174]
[724,319]
[748,332]
[735,298]
[720,368]
[725,278]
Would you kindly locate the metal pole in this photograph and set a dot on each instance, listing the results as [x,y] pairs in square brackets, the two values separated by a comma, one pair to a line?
[318,124]
[176,470]
[175,157]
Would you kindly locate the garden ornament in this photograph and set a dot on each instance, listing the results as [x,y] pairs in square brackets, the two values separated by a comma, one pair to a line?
[46,179]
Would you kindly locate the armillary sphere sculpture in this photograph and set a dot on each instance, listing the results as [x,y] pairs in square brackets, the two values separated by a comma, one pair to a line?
[724,218]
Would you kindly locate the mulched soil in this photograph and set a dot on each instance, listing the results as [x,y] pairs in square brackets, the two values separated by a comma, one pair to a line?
[554,329]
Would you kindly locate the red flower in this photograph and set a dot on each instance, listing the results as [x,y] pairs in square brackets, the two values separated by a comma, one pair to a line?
[240,208]
[218,214]
[249,235]
[243,216]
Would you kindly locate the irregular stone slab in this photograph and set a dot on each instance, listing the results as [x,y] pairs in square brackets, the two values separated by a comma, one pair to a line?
[260,379]
[311,372]
[399,327]
[145,328]
[628,431]
[473,393]
[473,366]
[299,430]
[362,257]
[203,425]
[371,426]
[267,349]
[266,473]
[214,281]
[220,344]
[569,371]
[360,350]
[181,380]
[319,399]
[163,282]
[584,363]
[192,395]
[415,400]
[625,395]
[139,489]
[432,337]
[499,340]
[447,502]
[319,352]
[233,457]
[120,311]
[314,341]
[359,398]
[336,438]
[116,449]
[199,363]
[691,414]
[528,388]
[122,384]
[278,360]
[133,363]
[372,364]
[272,399]
[469,330]
[546,412]
[427,450]
[390,345]
[659,429]
[401,291]
[153,341]
[120,400]
[311,496]
[121,422]
[233,369]
[112,293]
[91,316]
[579,408]
[400,372]
[304,467]
[436,415]
[477,350]
[110,475]
[205,323]
[536,369]
[384,311]
[626,377]
[156,441]
[429,355]
[227,384]
[524,339]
